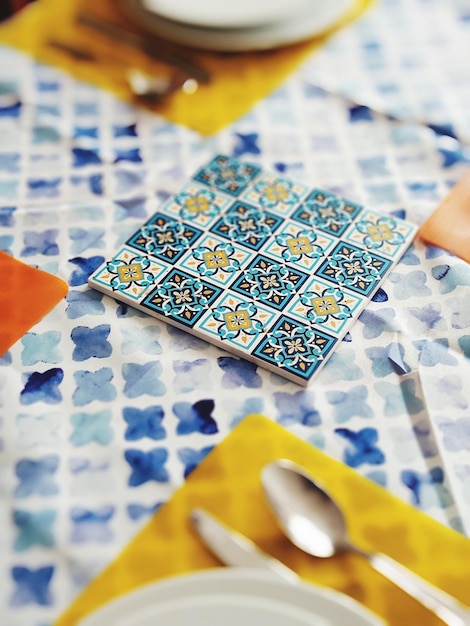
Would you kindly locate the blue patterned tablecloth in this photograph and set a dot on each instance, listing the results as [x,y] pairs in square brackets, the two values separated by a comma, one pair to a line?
[104,410]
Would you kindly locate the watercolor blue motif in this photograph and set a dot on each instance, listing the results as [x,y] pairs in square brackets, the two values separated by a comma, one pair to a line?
[362,447]
[43,387]
[125,131]
[41,347]
[360,113]
[82,303]
[192,375]
[9,162]
[296,408]
[85,156]
[249,406]
[85,267]
[147,465]
[412,285]
[91,342]
[427,489]
[141,339]
[93,182]
[246,144]
[429,316]
[40,243]
[400,399]
[195,417]
[93,386]
[143,379]
[35,528]
[377,322]
[348,404]
[38,430]
[91,427]
[132,155]
[143,423]
[455,433]
[45,134]
[380,295]
[382,364]
[82,239]
[181,340]
[451,277]
[374,166]
[139,511]
[41,188]
[464,343]
[378,476]
[7,214]
[130,207]
[91,525]
[9,189]
[238,373]
[191,458]
[127,180]
[395,353]
[82,131]
[341,366]
[436,352]
[36,476]
[32,585]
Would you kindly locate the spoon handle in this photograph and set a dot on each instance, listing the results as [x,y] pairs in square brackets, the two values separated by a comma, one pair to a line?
[445,606]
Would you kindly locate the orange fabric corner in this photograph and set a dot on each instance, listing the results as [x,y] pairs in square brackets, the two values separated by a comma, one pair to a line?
[26,295]
[448,227]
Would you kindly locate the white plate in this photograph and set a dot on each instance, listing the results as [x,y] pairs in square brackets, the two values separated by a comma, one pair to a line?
[225,13]
[231,597]
[318,17]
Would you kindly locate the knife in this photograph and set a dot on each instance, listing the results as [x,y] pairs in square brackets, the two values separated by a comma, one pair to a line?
[233,548]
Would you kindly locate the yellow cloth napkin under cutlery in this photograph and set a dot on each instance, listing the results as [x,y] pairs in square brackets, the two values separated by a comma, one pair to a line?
[227,483]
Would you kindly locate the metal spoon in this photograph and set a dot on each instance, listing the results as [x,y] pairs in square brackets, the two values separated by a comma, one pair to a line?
[314,523]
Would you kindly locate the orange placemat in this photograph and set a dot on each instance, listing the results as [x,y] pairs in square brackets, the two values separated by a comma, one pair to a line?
[227,483]
[26,295]
[238,80]
[448,227]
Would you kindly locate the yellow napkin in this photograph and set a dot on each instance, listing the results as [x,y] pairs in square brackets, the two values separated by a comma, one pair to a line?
[227,483]
[238,80]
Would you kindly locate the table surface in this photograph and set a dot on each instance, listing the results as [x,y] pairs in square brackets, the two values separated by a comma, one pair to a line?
[80,171]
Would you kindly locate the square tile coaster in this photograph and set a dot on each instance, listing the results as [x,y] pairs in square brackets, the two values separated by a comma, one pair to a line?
[265,267]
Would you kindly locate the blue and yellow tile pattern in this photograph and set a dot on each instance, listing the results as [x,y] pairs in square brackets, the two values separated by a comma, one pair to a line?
[260,265]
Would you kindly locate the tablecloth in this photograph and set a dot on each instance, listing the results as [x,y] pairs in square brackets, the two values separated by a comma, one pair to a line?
[81,471]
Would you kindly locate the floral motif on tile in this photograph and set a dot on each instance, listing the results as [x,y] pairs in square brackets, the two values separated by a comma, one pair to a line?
[354,268]
[269,282]
[237,322]
[197,204]
[299,246]
[293,347]
[227,174]
[181,297]
[382,233]
[165,238]
[325,305]
[219,259]
[246,224]
[327,212]
[129,273]
[279,195]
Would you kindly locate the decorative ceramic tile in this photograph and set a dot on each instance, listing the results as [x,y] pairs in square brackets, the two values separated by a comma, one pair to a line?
[260,265]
